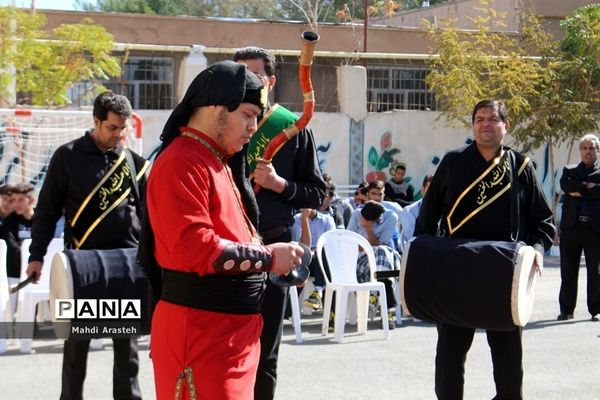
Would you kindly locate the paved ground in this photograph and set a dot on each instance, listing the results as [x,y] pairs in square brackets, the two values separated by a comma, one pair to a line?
[562,361]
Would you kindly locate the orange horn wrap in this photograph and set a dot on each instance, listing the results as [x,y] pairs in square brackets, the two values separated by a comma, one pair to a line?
[309,41]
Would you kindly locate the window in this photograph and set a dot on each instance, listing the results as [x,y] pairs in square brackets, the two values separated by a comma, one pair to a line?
[398,87]
[148,83]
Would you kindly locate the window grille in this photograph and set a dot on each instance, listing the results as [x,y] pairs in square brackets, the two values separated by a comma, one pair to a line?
[148,83]
[398,87]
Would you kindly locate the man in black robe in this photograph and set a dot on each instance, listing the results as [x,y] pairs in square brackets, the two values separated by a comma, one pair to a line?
[580,229]
[474,195]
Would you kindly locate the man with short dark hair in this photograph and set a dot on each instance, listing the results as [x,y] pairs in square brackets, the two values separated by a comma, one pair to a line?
[410,213]
[473,196]
[16,228]
[291,181]
[5,202]
[100,215]
[339,206]
[397,188]
[328,208]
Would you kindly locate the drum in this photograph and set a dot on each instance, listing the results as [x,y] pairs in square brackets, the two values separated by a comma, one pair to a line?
[112,278]
[472,284]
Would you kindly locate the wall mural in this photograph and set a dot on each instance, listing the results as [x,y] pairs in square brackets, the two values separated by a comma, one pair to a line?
[322,151]
[381,160]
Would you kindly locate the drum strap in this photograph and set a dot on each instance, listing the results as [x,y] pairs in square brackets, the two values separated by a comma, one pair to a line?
[514,197]
[112,190]
[135,187]
[274,121]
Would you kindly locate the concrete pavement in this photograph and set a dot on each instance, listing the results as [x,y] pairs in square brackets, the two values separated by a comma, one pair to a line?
[561,360]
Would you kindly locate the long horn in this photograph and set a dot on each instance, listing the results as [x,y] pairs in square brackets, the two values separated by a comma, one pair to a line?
[307,51]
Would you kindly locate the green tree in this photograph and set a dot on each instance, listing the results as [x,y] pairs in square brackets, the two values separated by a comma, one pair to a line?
[312,11]
[551,98]
[46,68]
[266,9]
[580,66]
[18,34]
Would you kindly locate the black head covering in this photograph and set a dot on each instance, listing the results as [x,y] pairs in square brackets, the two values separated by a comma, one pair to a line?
[225,83]
[228,84]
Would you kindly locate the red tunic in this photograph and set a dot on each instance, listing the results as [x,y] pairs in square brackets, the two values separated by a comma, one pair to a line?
[195,210]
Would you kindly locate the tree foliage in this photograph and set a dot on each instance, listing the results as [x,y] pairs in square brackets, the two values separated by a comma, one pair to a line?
[580,69]
[18,33]
[552,98]
[44,68]
[312,11]
[545,104]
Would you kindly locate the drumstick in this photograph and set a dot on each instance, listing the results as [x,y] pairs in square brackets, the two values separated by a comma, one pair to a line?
[22,284]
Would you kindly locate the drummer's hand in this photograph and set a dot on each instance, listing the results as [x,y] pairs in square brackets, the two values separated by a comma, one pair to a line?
[266,177]
[538,262]
[285,257]
[35,267]
[575,194]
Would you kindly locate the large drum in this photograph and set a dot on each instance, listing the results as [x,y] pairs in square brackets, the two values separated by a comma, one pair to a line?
[473,284]
[113,278]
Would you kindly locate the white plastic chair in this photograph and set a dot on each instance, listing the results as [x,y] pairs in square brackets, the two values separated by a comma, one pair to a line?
[5,311]
[32,294]
[295,304]
[342,251]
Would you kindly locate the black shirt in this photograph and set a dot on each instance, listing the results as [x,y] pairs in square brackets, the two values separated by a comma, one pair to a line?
[297,163]
[402,193]
[15,229]
[574,179]
[74,171]
[457,170]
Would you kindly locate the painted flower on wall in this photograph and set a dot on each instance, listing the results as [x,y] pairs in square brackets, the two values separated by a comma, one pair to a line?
[381,160]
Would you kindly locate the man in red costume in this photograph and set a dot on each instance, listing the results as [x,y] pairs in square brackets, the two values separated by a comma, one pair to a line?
[206,326]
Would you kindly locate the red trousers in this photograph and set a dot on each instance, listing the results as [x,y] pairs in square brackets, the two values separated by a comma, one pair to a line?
[204,355]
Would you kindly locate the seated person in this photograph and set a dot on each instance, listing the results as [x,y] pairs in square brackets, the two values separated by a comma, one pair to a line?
[15,229]
[398,189]
[309,225]
[339,206]
[375,191]
[359,197]
[328,208]
[6,206]
[377,224]
[409,215]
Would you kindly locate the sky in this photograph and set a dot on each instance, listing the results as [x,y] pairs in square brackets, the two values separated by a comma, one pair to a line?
[42,4]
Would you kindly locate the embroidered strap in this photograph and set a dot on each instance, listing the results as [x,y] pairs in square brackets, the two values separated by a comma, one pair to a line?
[495,181]
[189,378]
[274,121]
[110,191]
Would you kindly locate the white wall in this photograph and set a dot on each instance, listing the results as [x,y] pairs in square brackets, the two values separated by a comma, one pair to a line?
[422,139]
[420,136]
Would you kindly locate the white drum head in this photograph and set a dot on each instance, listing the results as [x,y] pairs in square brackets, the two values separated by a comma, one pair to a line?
[61,287]
[523,286]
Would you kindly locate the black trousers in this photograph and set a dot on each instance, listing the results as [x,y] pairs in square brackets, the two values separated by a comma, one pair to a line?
[572,242]
[272,311]
[507,356]
[125,369]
